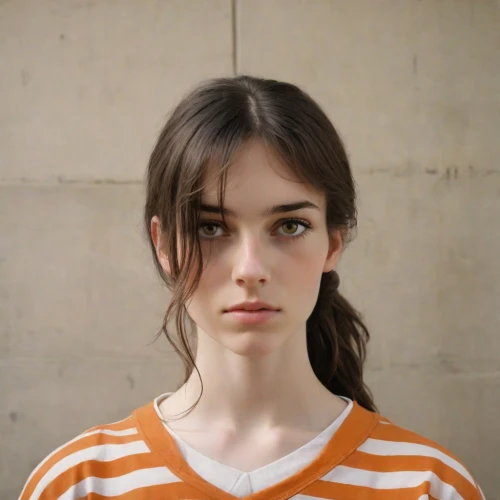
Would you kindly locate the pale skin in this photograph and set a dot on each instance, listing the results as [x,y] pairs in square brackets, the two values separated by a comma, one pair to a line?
[261,399]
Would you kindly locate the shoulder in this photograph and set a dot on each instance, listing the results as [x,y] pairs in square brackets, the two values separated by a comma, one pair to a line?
[106,451]
[398,457]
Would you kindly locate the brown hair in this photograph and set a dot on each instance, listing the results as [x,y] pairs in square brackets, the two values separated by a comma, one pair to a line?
[207,127]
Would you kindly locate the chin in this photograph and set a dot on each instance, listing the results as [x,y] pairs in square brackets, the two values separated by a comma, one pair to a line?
[253,344]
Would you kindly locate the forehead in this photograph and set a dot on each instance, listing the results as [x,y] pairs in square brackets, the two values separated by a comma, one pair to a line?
[257,179]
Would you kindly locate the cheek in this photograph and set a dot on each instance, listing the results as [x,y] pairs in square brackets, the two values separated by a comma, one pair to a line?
[306,262]
[306,278]
[302,272]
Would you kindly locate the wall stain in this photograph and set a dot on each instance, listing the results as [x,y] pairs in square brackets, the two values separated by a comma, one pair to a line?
[25,77]
[451,172]
[131,381]
[380,170]
[415,64]
[13,416]
[490,171]
[84,4]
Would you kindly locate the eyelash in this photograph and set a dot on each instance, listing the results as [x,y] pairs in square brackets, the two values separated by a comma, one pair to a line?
[282,222]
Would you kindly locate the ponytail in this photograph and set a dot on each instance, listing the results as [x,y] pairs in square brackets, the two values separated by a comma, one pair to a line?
[336,343]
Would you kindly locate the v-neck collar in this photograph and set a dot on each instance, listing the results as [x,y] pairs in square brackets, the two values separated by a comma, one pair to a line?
[242,483]
[348,437]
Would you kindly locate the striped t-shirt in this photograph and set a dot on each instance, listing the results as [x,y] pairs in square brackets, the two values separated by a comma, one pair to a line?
[361,455]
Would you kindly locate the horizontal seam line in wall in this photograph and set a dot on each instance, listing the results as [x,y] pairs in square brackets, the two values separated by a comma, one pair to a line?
[69,181]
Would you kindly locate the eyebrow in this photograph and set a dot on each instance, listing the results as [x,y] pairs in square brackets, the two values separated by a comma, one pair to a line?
[277,209]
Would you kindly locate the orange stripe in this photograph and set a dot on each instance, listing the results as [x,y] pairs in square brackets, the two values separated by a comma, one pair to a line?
[177,491]
[335,491]
[81,444]
[365,461]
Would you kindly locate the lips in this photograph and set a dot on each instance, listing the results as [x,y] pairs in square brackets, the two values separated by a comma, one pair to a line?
[254,317]
[236,309]
[251,307]
[251,310]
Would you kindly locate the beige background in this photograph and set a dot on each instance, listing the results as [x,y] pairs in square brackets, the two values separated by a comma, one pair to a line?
[414,88]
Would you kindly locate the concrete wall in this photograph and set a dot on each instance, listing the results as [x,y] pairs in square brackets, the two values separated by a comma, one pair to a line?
[414,88]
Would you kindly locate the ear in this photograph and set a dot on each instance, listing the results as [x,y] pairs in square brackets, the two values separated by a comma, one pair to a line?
[159,243]
[334,250]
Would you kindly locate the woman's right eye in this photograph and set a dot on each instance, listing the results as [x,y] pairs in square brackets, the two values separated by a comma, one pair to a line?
[208,229]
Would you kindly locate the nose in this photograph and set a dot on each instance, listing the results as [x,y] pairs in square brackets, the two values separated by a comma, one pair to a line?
[250,266]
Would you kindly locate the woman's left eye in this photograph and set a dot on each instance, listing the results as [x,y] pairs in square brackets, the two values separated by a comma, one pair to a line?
[289,225]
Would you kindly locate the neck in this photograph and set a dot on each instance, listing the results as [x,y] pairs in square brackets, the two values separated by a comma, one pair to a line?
[241,393]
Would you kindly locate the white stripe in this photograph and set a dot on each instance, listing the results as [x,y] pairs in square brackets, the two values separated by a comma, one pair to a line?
[387,423]
[304,497]
[126,432]
[424,497]
[103,453]
[392,480]
[386,448]
[120,485]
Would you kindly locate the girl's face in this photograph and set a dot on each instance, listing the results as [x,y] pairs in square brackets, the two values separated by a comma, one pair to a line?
[275,258]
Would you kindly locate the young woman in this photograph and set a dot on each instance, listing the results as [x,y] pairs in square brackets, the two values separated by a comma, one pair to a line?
[250,202]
